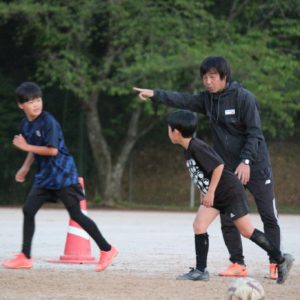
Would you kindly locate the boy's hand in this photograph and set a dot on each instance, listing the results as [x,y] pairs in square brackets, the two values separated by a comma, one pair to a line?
[144,93]
[208,199]
[21,174]
[20,142]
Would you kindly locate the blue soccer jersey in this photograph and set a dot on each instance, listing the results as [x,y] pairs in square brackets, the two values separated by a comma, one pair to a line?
[53,172]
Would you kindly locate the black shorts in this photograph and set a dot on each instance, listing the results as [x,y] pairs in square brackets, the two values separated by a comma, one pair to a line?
[235,205]
[70,195]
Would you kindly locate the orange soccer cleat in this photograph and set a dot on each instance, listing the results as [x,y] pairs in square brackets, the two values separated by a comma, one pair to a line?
[273,271]
[19,262]
[235,270]
[106,258]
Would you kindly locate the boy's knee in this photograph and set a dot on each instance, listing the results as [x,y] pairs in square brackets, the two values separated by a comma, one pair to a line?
[27,212]
[246,233]
[199,227]
[76,214]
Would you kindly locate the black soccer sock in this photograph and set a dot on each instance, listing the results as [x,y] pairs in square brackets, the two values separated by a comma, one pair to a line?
[201,247]
[260,239]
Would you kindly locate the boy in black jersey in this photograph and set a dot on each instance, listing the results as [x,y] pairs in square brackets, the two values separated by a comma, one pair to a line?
[56,175]
[222,193]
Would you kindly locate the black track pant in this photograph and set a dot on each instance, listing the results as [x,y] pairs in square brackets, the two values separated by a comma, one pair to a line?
[70,196]
[261,187]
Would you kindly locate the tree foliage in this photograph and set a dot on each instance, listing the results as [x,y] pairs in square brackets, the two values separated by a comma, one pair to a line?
[98,50]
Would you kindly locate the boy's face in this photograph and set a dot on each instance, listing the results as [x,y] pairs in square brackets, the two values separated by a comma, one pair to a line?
[173,134]
[32,108]
[212,81]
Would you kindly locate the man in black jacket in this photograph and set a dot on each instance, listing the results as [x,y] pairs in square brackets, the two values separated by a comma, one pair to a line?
[237,137]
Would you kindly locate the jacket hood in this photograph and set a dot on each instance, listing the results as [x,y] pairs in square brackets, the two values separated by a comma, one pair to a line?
[232,86]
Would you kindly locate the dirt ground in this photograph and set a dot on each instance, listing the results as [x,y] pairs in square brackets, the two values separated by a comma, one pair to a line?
[154,248]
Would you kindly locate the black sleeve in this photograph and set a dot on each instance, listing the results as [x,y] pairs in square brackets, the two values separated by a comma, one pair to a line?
[251,118]
[207,157]
[180,100]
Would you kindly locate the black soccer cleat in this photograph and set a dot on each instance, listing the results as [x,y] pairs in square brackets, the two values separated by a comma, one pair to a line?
[194,275]
[284,268]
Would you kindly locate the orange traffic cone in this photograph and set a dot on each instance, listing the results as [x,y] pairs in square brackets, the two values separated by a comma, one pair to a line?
[77,247]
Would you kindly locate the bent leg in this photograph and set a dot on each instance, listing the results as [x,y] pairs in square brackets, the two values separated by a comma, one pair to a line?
[71,197]
[89,226]
[245,227]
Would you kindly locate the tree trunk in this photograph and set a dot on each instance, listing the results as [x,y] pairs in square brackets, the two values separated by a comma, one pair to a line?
[110,176]
[99,146]
[113,189]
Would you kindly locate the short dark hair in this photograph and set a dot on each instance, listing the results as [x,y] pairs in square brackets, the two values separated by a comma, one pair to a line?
[28,90]
[184,121]
[218,63]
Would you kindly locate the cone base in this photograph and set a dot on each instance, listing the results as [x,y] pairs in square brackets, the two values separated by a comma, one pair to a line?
[71,259]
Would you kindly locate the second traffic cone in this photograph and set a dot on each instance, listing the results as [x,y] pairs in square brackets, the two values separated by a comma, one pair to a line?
[78,246]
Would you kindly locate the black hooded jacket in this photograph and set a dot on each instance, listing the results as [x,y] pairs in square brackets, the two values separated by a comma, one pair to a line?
[234,120]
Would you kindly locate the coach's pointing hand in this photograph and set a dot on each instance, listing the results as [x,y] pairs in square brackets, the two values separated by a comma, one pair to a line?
[144,93]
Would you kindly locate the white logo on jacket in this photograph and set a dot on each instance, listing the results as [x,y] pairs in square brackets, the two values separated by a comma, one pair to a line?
[229,112]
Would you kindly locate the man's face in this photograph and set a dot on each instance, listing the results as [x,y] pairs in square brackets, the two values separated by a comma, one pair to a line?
[212,82]
[32,108]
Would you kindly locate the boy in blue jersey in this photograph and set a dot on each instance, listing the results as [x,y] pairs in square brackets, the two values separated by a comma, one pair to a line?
[222,193]
[56,176]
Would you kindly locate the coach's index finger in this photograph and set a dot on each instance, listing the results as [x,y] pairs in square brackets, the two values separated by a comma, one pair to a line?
[144,93]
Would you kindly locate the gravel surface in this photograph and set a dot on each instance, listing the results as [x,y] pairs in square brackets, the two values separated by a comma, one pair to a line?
[154,248]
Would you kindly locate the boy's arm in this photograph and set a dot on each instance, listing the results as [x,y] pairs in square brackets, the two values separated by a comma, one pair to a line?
[21,143]
[208,199]
[22,172]
[174,99]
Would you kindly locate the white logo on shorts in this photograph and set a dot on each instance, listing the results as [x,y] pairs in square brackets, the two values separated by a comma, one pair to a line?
[232,215]
[268,181]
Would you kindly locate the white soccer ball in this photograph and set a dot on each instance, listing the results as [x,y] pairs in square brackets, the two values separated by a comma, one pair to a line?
[245,288]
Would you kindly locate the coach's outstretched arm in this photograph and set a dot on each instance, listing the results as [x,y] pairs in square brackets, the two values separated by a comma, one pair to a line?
[173,99]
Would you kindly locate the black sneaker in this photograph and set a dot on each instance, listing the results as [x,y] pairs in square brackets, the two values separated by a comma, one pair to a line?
[194,275]
[284,268]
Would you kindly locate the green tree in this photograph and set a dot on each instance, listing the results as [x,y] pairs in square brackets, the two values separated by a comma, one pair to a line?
[262,40]
[100,49]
